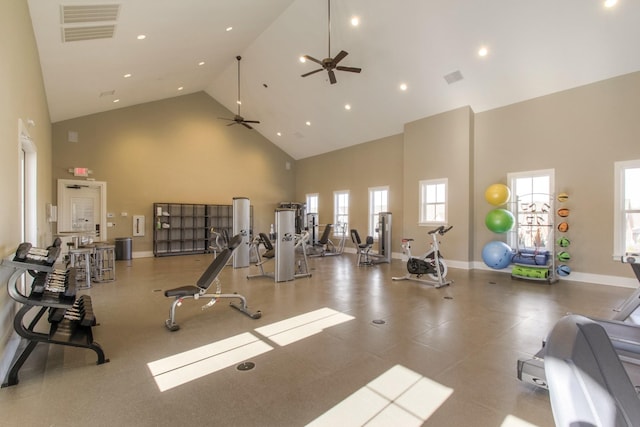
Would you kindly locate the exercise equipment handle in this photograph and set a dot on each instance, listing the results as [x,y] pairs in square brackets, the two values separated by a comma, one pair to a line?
[436,230]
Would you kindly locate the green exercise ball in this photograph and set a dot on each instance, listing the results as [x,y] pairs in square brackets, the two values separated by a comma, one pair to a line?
[499,220]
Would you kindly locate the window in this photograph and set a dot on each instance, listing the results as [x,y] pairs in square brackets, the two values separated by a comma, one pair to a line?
[627,208]
[531,198]
[378,202]
[312,203]
[433,201]
[340,212]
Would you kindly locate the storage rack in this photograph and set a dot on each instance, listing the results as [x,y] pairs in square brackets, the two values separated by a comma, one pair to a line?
[188,228]
[535,235]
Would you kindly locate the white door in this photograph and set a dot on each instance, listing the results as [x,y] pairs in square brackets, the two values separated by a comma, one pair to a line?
[82,208]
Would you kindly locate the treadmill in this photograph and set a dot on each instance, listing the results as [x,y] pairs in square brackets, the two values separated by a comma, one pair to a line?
[623,331]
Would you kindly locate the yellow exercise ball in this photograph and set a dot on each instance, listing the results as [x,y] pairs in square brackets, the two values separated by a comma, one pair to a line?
[497,194]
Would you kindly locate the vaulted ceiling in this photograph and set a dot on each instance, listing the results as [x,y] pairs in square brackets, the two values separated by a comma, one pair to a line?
[533,48]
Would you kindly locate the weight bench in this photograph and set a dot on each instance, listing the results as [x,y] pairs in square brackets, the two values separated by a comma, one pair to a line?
[208,278]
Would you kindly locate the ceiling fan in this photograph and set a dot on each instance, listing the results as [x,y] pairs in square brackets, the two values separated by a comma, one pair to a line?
[329,63]
[238,119]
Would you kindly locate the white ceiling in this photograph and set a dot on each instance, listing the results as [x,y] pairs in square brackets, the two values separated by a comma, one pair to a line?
[535,48]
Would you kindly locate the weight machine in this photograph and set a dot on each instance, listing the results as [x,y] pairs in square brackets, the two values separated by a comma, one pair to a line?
[287,243]
[365,256]
[241,226]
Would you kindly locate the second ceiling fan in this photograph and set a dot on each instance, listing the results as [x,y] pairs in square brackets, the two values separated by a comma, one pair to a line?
[238,119]
[330,64]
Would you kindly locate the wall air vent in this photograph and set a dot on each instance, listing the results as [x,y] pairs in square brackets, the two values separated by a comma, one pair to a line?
[90,13]
[73,34]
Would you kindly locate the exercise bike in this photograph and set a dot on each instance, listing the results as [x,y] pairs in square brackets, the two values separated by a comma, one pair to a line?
[430,263]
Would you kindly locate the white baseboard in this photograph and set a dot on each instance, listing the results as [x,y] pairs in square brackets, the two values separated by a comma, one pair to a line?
[142,254]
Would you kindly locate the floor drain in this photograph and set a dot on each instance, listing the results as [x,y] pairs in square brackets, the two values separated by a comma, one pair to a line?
[379,322]
[157,290]
[246,366]
[447,297]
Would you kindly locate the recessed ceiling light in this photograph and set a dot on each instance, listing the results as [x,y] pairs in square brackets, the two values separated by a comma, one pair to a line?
[483,51]
[126,76]
[610,3]
[229,29]
[181,88]
[279,133]
[308,123]
[201,63]
[116,100]
[403,86]
[355,21]
[347,107]
[141,37]
[303,59]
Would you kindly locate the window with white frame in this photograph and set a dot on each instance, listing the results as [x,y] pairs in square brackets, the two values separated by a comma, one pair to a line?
[433,201]
[378,202]
[627,208]
[340,212]
[531,200]
[312,203]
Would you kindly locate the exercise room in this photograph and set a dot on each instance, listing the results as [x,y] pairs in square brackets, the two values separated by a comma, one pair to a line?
[320,213]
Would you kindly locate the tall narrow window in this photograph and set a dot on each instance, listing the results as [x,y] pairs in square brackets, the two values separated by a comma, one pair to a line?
[627,208]
[312,203]
[531,198]
[378,202]
[340,212]
[433,201]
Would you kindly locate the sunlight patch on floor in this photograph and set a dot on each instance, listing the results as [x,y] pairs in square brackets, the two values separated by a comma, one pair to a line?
[187,366]
[398,397]
[513,421]
[303,326]
[181,368]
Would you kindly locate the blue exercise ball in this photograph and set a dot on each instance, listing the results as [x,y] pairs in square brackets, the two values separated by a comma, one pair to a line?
[497,255]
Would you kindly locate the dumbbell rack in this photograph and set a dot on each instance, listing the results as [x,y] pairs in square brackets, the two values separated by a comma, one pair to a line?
[70,319]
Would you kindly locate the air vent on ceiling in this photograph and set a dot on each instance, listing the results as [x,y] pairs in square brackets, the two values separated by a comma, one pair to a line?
[88,33]
[456,76]
[71,16]
[90,13]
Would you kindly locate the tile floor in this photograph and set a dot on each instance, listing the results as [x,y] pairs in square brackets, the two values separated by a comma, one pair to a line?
[442,357]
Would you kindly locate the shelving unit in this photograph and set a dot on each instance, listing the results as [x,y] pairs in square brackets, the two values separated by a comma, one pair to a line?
[187,228]
[535,238]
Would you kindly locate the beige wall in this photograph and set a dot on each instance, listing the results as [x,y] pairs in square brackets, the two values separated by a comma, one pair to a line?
[176,151]
[22,98]
[579,133]
[440,147]
[358,168]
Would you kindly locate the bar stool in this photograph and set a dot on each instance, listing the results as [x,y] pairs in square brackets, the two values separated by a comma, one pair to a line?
[104,263]
[80,259]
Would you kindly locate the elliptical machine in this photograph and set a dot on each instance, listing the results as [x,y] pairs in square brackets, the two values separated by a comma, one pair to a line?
[430,263]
